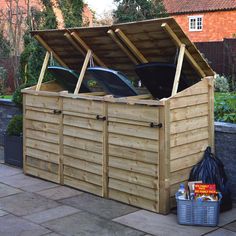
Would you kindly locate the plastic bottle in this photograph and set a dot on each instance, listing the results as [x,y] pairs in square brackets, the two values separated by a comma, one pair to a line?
[181,194]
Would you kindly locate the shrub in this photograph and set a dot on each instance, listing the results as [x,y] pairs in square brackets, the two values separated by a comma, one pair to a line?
[221,84]
[15,126]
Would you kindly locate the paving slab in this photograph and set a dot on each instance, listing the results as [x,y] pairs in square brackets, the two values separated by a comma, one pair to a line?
[6,170]
[227,217]
[51,214]
[52,234]
[231,226]
[59,192]
[160,225]
[6,190]
[39,186]
[20,180]
[3,213]
[22,204]
[99,206]
[222,232]
[15,226]
[86,224]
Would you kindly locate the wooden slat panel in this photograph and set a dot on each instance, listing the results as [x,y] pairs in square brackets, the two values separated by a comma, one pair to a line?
[82,122]
[189,137]
[85,186]
[133,154]
[131,122]
[42,155]
[82,175]
[185,162]
[133,177]
[188,149]
[42,126]
[83,144]
[82,133]
[189,112]
[133,189]
[135,166]
[133,130]
[42,102]
[133,200]
[41,116]
[43,136]
[82,154]
[83,165]
[179,176]
[188,124]
[133,142]
[43,146]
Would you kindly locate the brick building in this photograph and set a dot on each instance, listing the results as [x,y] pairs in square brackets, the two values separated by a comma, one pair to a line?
[204,20]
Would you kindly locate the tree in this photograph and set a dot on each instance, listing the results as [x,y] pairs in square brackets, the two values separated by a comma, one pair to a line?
[136,10]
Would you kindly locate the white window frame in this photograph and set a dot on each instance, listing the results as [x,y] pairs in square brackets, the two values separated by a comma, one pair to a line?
[196,18]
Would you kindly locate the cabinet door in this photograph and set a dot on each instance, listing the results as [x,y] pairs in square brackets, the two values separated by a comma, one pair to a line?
[42,119]
[83,144]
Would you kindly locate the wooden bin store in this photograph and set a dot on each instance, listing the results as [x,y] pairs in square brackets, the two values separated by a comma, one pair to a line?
[136,149]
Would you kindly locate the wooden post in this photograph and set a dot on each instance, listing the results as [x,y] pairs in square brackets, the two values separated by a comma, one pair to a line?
[178,69]
[164,159]
[24,133]
[45,45]
[131,46]
[86,48]
[42,73]
[81,76]
[178,43]
[122,47]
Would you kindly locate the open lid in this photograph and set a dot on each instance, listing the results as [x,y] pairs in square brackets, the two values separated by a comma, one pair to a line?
[150,38]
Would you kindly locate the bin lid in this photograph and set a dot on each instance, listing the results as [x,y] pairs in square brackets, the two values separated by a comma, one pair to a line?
[148,37]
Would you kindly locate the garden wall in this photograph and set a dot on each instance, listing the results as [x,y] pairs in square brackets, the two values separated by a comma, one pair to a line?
[7,110]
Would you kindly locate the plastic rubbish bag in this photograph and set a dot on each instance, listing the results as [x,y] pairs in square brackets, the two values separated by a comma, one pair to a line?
[211,171]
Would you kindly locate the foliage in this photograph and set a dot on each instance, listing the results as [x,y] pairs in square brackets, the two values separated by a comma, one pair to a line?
[225,107]
[72,12]
[221,84]
[15,126]
[4,46]
[3,77]
[49,20]
[135,10]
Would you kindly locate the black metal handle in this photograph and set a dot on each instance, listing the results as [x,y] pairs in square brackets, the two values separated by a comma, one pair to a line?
[155,125]
[57,112]
[98,117]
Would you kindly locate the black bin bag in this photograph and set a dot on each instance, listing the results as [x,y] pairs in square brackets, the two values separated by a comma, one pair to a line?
[211,171]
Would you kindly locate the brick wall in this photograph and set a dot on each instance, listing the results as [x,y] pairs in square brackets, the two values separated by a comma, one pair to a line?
[216,26]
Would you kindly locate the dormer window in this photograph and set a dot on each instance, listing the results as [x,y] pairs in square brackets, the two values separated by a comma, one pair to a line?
[195,23]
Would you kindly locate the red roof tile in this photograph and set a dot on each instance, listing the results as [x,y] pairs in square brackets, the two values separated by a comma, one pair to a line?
[186,6]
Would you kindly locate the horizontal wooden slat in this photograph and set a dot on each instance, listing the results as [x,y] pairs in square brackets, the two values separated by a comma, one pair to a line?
[131,122]
[42,126]
[85,186]
[82,133]
[188,137]
[41,135]
[133,154]
[83,144]
[188,124]
[133,177]
[134,166]
[83,122]
[42,102]
[41,116]
[133,142]
[179,176]
[44,146]
[83,165]
[82,154]
[42,155]
[133,200]
[188,149]
[133,130]
[189,112]
[82,175]
[133,189]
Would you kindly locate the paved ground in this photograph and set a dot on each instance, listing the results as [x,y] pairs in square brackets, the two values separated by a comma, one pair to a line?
[33,207]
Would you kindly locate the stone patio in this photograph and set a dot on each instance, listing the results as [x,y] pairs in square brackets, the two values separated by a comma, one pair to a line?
[34,207]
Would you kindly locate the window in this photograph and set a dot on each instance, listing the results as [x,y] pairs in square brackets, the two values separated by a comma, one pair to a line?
[195,23]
